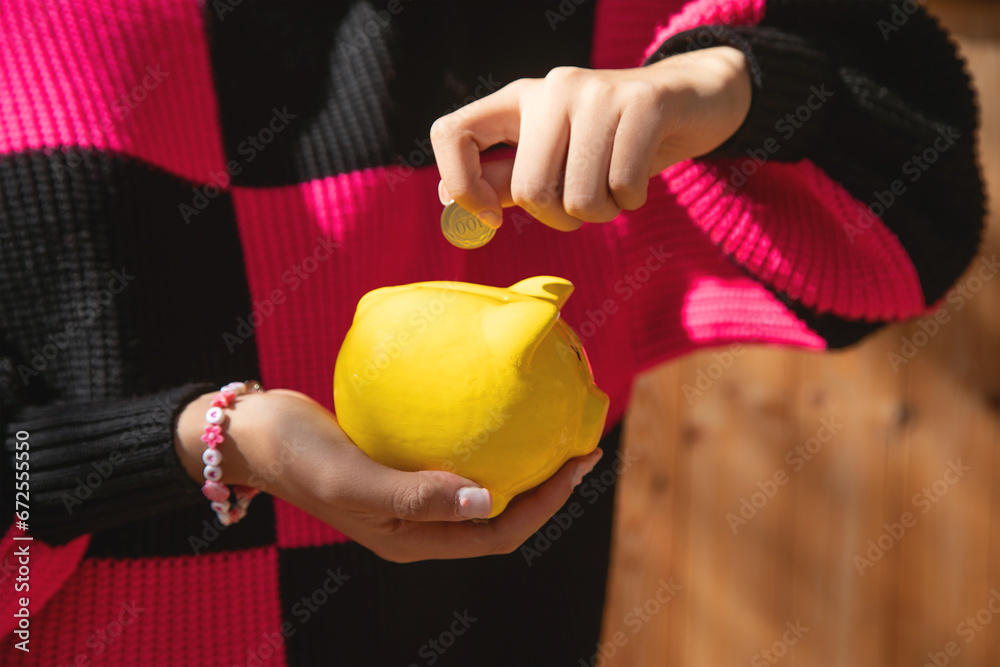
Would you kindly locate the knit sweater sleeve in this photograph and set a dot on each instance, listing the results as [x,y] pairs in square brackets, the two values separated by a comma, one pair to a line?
[89,467]
[853,184]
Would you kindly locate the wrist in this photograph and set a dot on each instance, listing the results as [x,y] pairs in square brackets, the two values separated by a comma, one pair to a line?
[707,94]
[238,430]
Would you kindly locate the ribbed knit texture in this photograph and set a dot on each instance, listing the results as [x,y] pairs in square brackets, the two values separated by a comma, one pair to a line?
[258,274]
[111,79]
[120,617]
[821,94]
[83,453]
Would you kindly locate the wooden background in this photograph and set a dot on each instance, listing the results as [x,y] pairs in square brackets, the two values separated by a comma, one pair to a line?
[794,561]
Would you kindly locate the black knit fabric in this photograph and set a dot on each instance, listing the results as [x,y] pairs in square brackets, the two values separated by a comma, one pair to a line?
[360,86]
[83,454]
[106,316]
[540,605]
[875,110]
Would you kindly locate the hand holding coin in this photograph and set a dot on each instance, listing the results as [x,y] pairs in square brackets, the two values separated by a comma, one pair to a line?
[588,141]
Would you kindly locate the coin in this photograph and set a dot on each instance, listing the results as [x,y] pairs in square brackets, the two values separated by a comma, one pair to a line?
[462,229]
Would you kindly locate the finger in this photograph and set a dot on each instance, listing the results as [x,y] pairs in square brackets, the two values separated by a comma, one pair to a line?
[586,194]
[531,510]
[427,495]
[539,165]
[524,516]
[497,174]
[636,143]
[460,137]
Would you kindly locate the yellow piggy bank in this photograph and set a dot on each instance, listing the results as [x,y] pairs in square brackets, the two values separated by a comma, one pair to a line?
[485,382]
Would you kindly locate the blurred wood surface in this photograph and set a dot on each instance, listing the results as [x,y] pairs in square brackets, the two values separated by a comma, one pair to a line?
[794,561]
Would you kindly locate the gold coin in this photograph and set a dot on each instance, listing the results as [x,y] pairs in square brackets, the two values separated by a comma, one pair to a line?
[462,229]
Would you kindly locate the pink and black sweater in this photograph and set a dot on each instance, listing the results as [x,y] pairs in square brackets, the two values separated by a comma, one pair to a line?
[192,193]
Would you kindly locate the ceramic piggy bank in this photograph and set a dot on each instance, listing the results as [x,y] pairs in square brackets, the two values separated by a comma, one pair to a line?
[485,382]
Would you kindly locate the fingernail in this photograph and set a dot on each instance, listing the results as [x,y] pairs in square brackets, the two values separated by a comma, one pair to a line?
[490,218]
[443,193]
[581,470]
[474,502]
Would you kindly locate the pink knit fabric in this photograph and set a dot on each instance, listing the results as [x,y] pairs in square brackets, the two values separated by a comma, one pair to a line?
[803,246]
[708,12]
[737,309]
[790,225]
[49,568]
[123,608]
[115,78]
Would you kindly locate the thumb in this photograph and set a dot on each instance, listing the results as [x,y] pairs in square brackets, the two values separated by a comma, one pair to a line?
[433,495]
[460,137]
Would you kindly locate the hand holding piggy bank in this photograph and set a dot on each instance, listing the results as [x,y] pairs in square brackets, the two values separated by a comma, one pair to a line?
[485,382]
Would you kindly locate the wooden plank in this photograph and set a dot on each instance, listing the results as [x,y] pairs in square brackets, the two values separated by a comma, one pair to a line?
[795,559]
[955,382]
[643,531]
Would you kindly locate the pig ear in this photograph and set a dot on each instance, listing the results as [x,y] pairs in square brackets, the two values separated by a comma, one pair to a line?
[549,288]
[374,297]
[513,330]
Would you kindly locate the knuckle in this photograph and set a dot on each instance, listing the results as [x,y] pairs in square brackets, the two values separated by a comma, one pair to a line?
[599,92]
[442,129]
[460,189]
[590,206]
[628,191]
[531,193]
[502,546]
[562,75]
[642,94]
[583,205]
[411,501]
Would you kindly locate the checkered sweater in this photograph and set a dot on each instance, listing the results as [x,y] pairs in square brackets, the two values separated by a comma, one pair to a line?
[198,192]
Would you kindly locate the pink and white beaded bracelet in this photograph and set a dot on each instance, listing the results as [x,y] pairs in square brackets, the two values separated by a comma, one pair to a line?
[213,489]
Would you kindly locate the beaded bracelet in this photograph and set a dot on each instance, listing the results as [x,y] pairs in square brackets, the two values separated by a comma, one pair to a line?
[213,489]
